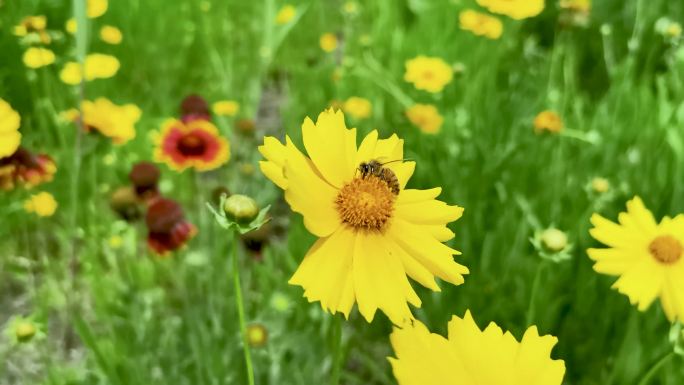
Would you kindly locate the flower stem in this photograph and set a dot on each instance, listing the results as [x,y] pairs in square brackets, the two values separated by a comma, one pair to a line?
[336,340]
[532,307]
[656,366]
[241,309]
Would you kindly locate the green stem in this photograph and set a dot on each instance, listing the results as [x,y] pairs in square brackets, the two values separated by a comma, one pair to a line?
[532,308]
[654,369]
[241,309]
[336,340]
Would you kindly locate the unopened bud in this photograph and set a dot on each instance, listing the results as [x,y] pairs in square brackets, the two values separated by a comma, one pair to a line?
[241,208]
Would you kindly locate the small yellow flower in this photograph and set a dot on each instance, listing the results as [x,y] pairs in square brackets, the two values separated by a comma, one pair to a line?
[115,242]
[674,30]
[38,57]
[42,204]
[600,185]
[113,121]
[481,24]
[554,239]
[515,9]
[10,138]
[350,7]
[426,117]
[71,26]
[226,107]
[97,66]
[328,42]
[31,24]
[358,108]
[257,335]
[70,115]
[96,8]
[576,5]
[428,73]
[286,14]
[111,35]
[548,121]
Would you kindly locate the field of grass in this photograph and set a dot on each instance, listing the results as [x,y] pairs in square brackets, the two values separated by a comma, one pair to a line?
[107,310]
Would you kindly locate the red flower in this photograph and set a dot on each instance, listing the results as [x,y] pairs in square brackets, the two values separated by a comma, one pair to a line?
[195,144]
[25,168]
[168,229]
[145,176]
[194,107]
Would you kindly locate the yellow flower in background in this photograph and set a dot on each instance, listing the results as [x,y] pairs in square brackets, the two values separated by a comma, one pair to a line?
[111,35]
[600,185]
[10,138]
[38,57]
[548,121]
[426,117]
[481,24]
[515,9]
[113,121]
[328,42]
[96,8]
[647,256]
[71,26]
[97,66]
[226,107]
[372,231]
[428,73]
[473,356]
[42,204]
[286,14]
[576,5]
[30,24]
[358,108]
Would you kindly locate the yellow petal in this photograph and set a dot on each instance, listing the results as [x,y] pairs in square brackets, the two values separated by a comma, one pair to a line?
[431,212]
[9,142]
[613,261]
[642,283]
[274,173]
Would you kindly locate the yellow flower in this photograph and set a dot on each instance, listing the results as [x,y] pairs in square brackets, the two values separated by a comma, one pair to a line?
[115,242]
[71,26]
[428,73]
[358,108]
[257,335]
[96,8]
[42,204]
[473,356]
[226,107]
[10,138]
[97,66]
[328,42]
[31,24]
[674,30]
[516,9]
[38,57]
[286,14]
[647,256]
[111,35]
[576,5]
[110,120]
[481,24]
[372,231]
[426,117]
[350,7]
[548,121]
[600,185]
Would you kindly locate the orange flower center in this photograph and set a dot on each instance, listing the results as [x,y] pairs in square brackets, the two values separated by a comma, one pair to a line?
[365,203]
[665,249]
[191,144]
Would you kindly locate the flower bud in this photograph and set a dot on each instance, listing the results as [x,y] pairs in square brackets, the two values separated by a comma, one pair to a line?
[241,208]
[24,331]
[554,239]
[257,335]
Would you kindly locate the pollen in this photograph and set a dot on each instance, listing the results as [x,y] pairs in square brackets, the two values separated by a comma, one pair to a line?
[666,249]
[365,203]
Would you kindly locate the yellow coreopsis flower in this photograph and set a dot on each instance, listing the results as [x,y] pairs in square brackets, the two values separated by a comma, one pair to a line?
[480,24]
[576,5]
[328,42]
[515,9]
[38,57]
[358,108]
[111,35]
[226,107]
[428,73]
[426,117]
[548,121]
[71,26]
[10,138]
[286,14]
[42,204]
[113,121]
[647,256]
[473,356]
[372,231]
[97,66]
[31,24]
[96,8]
[600,185]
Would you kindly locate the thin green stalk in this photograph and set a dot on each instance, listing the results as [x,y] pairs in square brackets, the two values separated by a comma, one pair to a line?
[654,369]
[241,309]
[532,307]
[336,341]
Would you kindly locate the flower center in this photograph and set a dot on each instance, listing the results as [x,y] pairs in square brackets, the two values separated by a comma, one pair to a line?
[666,249]
[191,144]
[365,203]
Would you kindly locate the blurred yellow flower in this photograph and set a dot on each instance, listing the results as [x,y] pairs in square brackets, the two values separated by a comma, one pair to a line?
[576,5]
[286,14]
[328,42]
[674,30]
[600,185]
[70,115]
[548,121]
[10,138]
[30,24]
[647,256]
[71,26]
[226,107]
[516,9]
[350,7]
[372,231]
[96,8]
[473,356]
[257,335]
[42,204]
[481,24]
[426,117]
[358,108]
[111,35]
[97,66]
[115,242]
[113,121]
[428,73]
[38,57]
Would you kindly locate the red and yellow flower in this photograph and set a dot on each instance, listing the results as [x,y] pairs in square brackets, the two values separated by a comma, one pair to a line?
[195,144]
[26,169]
[168,230]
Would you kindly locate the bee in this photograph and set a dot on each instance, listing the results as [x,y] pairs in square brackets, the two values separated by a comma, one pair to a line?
[375,168]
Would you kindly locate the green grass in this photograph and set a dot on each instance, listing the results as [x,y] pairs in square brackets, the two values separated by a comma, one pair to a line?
[123,316]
